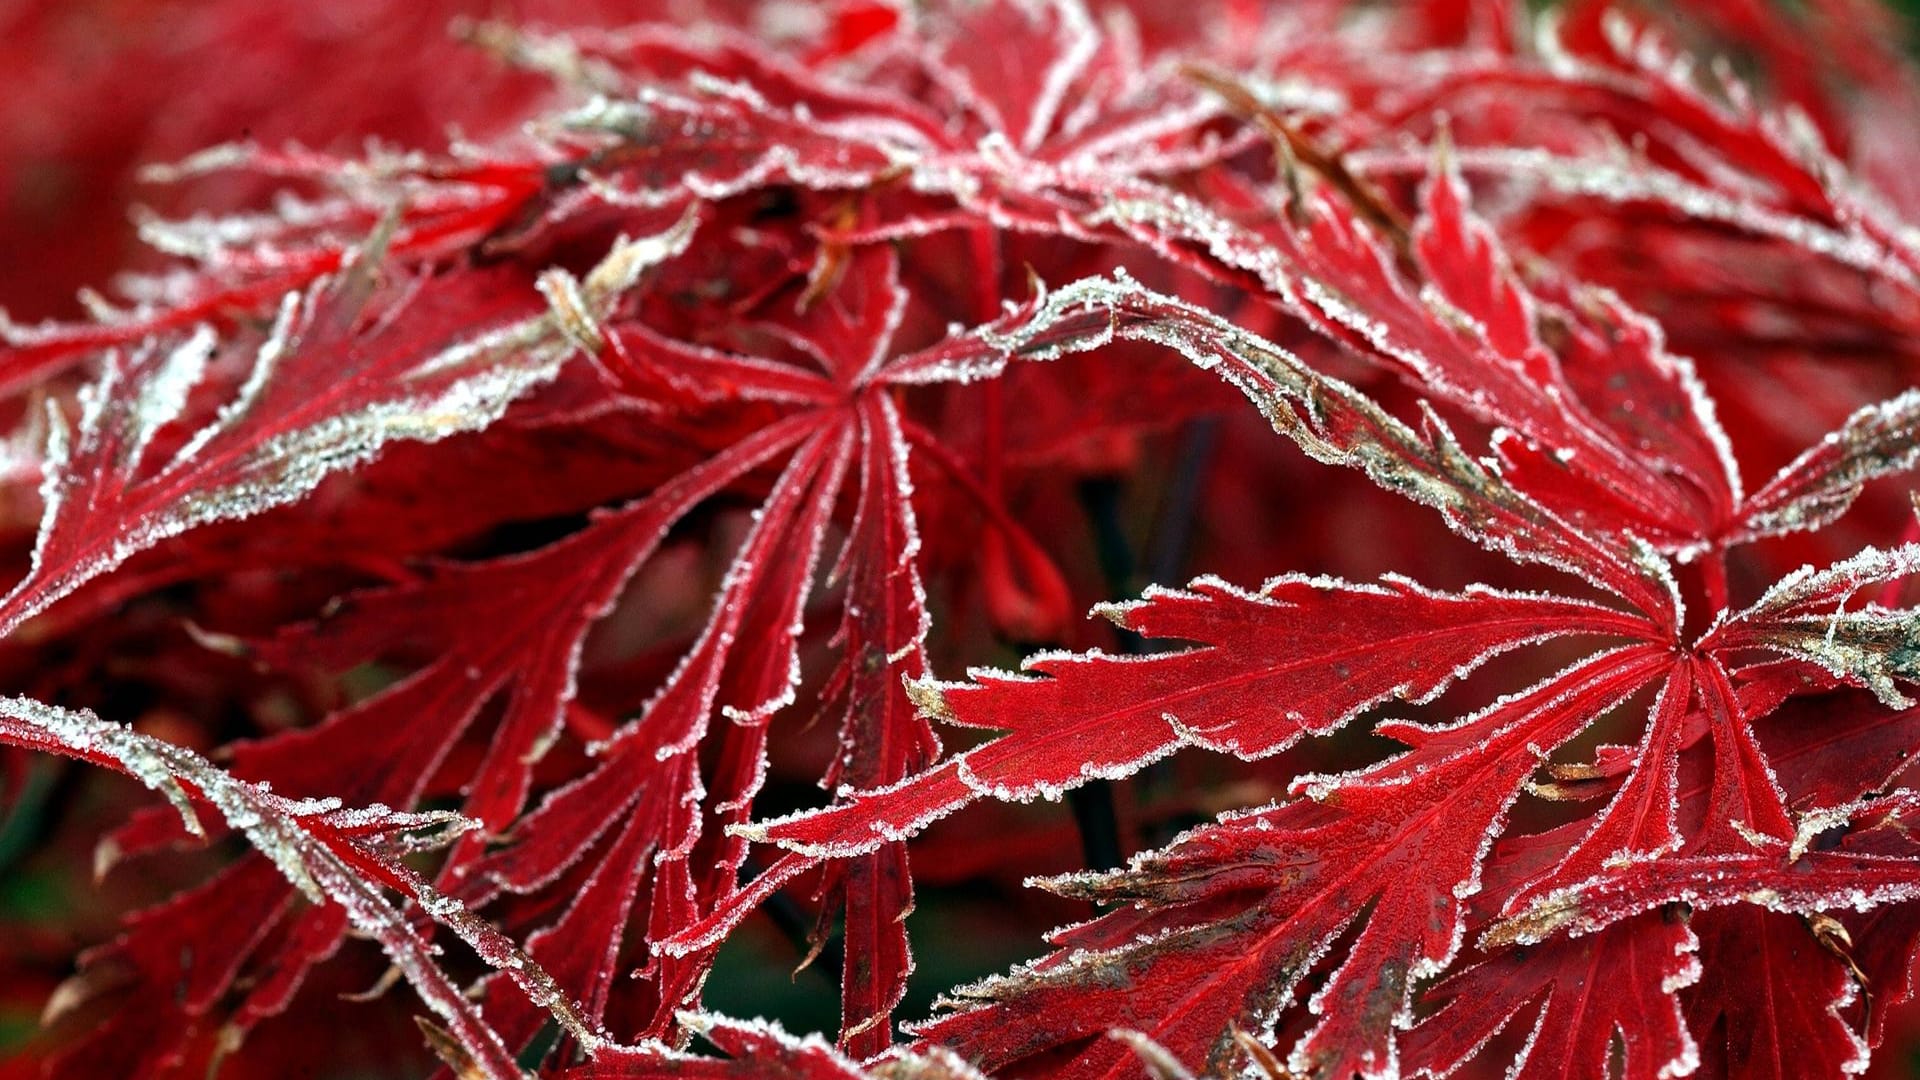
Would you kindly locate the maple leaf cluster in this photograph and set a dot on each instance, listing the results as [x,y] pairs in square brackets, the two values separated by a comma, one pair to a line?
[530,565]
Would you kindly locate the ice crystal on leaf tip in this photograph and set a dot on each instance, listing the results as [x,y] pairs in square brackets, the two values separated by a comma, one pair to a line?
[550,516]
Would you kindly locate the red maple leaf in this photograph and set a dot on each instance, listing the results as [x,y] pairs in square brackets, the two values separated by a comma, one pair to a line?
[534,523]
